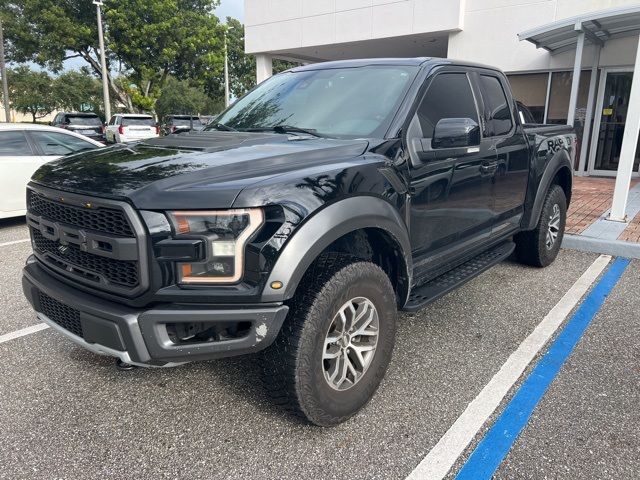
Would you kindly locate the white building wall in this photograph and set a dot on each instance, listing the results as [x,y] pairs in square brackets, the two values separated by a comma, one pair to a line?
[491,27]
[273,25]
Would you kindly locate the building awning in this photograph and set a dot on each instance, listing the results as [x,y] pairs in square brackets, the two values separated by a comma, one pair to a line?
[598,27]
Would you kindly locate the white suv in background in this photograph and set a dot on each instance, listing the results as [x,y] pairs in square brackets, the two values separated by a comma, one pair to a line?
[125,127]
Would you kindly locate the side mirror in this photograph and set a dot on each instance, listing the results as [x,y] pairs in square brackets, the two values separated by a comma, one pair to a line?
[456,133]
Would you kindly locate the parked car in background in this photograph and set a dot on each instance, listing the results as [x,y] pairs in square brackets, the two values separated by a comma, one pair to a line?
[23,149]
[206,119]
[87,124]
[180,123]
[126,127]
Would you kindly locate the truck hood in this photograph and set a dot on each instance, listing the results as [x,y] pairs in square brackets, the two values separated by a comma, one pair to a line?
[192,170]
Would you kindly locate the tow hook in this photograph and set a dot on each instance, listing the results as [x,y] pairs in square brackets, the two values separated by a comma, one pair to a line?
[124,367]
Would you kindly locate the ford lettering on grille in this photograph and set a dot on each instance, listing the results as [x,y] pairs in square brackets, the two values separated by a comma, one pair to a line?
[92,245]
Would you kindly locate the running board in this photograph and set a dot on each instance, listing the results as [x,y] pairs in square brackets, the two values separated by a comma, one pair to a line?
[439,286]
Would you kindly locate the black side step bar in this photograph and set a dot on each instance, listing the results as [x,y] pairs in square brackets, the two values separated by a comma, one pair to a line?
[439,286]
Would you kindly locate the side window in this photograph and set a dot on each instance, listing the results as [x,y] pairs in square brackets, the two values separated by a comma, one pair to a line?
[52,143]
[498,111]
[112,120]
[14,144]
[448,96]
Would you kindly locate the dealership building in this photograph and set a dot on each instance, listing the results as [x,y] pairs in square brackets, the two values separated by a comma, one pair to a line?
[568,61]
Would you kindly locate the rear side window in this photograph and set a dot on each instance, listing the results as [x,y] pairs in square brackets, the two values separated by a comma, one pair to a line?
[53,143]
[144,121]
[14,144]
[448,96]
[497,110]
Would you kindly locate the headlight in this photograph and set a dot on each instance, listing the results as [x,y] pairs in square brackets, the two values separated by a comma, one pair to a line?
[226,233]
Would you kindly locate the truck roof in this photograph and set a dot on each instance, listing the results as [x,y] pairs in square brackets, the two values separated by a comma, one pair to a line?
[364,62]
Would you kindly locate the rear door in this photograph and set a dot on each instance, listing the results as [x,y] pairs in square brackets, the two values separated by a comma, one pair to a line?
[18,161]
[509,181]
[451,195]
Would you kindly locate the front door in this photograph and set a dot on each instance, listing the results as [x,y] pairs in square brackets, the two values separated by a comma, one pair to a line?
[611,116]
[451,195]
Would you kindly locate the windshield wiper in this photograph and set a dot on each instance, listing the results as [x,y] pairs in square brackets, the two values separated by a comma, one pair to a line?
[287,129]
[221,126]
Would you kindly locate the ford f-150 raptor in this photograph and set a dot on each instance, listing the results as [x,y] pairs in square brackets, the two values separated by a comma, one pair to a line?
[298,224]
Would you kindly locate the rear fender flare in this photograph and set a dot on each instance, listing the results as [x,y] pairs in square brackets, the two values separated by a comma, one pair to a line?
[327,226]
[557,163]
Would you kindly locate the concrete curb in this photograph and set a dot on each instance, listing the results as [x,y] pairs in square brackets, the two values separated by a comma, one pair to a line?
[598,245]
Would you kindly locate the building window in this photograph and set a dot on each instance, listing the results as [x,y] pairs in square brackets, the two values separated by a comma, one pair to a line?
[561,93]
[531,91]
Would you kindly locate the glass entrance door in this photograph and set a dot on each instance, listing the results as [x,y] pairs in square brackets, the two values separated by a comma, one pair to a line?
[612,111]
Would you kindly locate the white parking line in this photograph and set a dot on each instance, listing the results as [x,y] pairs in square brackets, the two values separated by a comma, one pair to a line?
[15,242]
[23,332]
[444,454]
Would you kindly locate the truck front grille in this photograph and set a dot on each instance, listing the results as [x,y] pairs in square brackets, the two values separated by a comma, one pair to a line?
[63,315]
[90,241]
[103,220]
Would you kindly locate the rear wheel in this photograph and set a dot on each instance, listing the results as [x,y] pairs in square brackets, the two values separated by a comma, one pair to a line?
[540,247]
[336,343]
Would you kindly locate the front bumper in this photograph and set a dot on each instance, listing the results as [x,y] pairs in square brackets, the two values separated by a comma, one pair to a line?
[139,336]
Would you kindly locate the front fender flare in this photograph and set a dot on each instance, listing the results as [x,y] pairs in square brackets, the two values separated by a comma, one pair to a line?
[327,226]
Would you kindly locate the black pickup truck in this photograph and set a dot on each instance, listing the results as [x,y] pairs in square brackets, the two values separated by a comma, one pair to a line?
[298,224]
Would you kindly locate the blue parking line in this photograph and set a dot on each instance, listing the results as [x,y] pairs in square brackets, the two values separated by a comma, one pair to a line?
[493,448]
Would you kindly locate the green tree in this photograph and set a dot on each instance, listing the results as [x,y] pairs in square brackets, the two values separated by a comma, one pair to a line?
[147,40]
[158,38]
[179,98]
[79,91]
[31,92]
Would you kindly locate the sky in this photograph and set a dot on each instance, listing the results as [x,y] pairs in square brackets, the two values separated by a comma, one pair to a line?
[231,8]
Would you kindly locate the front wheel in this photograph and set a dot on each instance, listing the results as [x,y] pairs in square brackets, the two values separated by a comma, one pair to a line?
[540,247]
[336,343]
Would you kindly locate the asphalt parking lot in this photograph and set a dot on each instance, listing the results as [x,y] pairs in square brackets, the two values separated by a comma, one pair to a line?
[69,414]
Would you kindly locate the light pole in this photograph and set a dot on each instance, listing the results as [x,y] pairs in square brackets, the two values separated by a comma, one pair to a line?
[3,72]
[103,62]
[226,68]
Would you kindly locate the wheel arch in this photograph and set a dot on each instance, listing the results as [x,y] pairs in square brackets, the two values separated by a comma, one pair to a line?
[558,171]
[346,226]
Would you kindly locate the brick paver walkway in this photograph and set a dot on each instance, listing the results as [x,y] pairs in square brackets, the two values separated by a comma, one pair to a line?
[632,233]
[591,199]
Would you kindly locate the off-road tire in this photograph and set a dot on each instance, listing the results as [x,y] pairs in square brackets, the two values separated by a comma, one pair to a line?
[292,367]
[531,247]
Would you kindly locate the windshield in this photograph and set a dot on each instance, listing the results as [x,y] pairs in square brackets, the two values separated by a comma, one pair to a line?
[83,120]
[186,122]
[344,102]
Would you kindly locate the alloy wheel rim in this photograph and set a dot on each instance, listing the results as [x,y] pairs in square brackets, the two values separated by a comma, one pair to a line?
[350,343]
[553,230]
